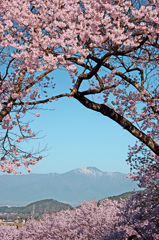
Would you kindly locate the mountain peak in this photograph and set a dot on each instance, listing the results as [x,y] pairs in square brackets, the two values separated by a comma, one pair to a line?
[89,171]
[72,187]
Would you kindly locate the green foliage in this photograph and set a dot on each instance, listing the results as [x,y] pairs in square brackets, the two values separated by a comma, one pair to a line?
[123,196]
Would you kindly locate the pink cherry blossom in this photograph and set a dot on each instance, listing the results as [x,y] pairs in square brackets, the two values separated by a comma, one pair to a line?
[113,47]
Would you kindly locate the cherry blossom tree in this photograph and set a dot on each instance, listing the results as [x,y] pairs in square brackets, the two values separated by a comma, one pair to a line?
[111,46]
[8,232]
[107,220]
[89,221]
[141,214]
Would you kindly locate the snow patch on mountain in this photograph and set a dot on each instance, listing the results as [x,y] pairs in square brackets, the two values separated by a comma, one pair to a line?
[89,171]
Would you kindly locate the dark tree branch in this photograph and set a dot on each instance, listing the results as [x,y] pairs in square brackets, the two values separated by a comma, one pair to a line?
[126,124]
[118,73]
[93,71]
[8,68]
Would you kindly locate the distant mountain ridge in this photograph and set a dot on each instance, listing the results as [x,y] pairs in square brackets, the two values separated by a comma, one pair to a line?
[37,208]
[46,206]
[72,187]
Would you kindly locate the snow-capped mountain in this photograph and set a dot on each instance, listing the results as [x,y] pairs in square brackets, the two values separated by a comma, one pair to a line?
[89,171]
[72,187]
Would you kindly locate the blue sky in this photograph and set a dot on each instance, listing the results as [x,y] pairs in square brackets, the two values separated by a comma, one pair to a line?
[77,137]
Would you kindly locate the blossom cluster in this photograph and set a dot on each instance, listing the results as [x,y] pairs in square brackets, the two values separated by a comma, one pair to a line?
[105,220]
